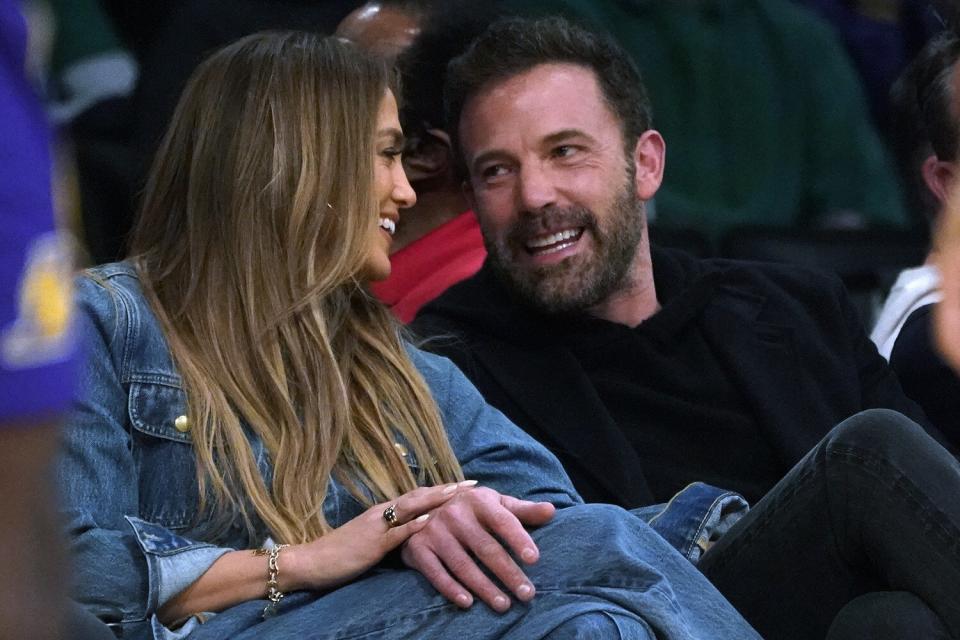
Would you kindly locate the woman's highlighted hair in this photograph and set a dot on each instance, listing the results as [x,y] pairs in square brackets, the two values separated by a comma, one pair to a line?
[251,239]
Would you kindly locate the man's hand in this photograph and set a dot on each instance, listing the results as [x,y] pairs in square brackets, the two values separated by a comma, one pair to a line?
[467,530]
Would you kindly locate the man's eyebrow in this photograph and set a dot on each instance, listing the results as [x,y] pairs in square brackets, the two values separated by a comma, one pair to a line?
[487,156]
[566,134]
[395,135]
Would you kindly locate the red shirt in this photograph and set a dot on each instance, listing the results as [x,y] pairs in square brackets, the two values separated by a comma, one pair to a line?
[427,267]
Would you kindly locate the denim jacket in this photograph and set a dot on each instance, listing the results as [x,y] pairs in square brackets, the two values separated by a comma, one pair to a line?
[128,478]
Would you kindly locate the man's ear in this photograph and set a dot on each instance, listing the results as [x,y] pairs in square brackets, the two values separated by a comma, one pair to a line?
[649,156]
[430,158]
[939,176]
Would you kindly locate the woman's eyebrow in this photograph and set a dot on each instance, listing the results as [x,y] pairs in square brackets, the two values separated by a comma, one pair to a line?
[396,135]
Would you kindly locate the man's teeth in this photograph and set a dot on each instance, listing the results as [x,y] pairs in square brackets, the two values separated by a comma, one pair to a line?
[388,225]
[546,241]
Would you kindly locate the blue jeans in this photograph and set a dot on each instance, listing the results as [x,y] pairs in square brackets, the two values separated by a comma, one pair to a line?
[603,573]
[873,508]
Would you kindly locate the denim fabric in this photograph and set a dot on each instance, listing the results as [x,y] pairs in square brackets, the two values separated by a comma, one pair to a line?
[872,508]
[601,575]
[697,517]
[130,494]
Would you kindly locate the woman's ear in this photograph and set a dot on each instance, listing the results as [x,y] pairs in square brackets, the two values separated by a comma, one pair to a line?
[429,157]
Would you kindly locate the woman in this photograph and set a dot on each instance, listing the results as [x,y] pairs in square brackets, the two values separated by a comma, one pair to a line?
[243,389]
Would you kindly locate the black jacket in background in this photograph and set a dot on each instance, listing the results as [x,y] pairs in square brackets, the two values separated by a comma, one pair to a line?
[802,361]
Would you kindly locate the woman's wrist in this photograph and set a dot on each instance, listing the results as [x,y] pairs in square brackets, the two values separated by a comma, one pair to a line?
[296,564]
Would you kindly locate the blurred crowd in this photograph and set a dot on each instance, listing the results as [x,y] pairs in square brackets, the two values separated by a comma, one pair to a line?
[777,112]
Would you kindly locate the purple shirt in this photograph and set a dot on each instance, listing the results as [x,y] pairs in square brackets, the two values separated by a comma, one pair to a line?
[37,355]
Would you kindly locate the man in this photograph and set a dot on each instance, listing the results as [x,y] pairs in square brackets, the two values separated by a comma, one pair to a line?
[38,361]
[765,115]
[645,370]
[385,28]
[927,114]
[437,242]
[947,314]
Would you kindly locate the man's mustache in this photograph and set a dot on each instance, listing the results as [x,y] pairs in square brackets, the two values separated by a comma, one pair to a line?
[549,221]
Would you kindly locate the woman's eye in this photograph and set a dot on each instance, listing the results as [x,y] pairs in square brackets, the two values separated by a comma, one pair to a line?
[391,152]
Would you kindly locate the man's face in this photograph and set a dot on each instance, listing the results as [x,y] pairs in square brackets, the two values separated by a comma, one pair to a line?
[558,196]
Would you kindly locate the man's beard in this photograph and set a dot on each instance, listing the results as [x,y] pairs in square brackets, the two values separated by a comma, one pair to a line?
[577,282]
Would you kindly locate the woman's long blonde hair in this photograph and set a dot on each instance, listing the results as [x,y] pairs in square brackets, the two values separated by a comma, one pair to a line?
[251,241]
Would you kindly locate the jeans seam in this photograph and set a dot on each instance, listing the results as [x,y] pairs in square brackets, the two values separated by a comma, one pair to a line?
[420,613]
[920,506]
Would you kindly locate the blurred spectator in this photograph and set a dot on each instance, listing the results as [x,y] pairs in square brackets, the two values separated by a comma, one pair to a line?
[89,82]
[437,241]
[881,37]
[946,314]
[765,115]
[947,242]
[37,359]
[89,64]
[927,118]
[386,28]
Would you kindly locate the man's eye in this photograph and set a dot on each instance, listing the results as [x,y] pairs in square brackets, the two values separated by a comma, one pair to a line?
[493,171]
[564,151]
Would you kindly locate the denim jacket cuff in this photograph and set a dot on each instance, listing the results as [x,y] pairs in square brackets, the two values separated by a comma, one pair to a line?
[696,517]
[173,562]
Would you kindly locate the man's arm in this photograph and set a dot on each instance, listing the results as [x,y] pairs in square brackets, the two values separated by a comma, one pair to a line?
[32,562]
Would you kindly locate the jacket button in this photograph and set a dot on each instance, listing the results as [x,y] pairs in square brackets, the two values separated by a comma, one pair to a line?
[182,423]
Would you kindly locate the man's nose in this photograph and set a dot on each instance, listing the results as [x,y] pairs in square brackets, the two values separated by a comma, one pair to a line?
[537,188]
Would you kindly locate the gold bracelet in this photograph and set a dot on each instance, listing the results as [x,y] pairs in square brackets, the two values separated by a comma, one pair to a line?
[274,595]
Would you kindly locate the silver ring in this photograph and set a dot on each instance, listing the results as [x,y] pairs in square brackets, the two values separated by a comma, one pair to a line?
[390,515]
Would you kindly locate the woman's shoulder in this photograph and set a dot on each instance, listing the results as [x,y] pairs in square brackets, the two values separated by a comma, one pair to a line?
[435,369]
[450,388]
[111,303]
[109,289]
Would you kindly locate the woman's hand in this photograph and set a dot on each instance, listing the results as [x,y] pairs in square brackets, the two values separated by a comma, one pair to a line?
[467,529]
[348,551]
[328,561]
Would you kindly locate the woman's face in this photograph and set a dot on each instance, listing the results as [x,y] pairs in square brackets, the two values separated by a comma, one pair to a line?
[392,190]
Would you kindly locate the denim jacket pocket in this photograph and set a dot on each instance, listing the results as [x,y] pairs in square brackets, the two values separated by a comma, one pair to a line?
[162,448]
